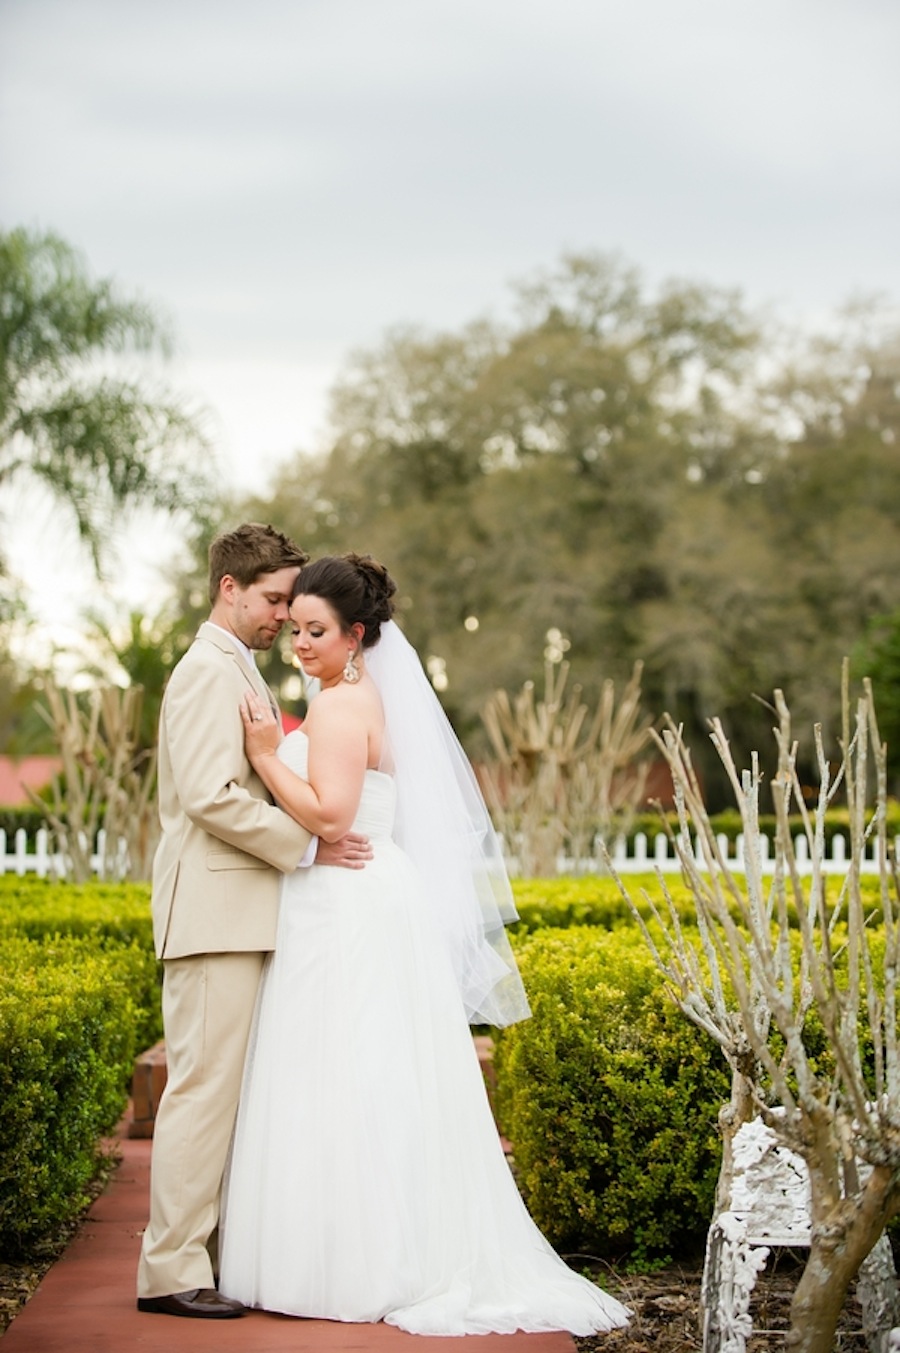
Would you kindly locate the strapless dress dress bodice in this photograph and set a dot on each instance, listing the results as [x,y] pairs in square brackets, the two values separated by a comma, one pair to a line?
[375,815]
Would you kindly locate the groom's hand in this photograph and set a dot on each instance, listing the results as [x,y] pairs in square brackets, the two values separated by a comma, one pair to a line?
[351,852]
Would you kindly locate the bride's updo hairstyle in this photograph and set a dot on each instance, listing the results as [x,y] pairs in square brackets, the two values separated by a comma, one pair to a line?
[357,588]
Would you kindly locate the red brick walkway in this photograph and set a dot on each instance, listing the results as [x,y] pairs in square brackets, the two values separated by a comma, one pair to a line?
[86,1303]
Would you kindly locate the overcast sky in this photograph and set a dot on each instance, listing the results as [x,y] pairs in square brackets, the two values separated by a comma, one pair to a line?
[288,178]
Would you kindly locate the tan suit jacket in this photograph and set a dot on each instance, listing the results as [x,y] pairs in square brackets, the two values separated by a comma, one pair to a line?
[224,844]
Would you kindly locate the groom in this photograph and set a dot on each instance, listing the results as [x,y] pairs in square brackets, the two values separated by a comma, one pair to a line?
[223,849]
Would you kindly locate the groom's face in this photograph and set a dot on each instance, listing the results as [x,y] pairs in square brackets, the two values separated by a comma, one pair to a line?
[258,612]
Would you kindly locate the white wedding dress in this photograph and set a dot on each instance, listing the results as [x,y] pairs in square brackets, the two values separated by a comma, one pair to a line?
[367,1180]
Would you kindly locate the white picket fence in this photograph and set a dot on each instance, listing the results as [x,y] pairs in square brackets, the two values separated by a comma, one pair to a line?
[643,855]
[636,857]
[639,856]
[35,855]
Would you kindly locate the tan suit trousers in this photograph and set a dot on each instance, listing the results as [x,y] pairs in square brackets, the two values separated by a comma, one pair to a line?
[208,1004]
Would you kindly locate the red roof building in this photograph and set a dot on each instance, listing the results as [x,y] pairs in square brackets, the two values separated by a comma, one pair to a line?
[15,773]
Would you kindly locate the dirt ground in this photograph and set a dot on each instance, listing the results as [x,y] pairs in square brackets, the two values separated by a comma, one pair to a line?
[666,1308]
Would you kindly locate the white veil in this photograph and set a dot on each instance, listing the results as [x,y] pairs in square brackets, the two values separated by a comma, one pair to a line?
[443,825]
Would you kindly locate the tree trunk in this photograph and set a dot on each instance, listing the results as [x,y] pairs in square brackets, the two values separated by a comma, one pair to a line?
[732,1116]
[839,1244]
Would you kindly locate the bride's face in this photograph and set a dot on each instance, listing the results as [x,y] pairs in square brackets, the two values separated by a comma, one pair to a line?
[319,640]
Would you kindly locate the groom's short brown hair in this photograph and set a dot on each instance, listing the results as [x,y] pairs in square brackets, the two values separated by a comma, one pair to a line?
[248,551]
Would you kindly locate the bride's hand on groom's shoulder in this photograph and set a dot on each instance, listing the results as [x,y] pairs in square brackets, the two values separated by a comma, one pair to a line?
[262,731]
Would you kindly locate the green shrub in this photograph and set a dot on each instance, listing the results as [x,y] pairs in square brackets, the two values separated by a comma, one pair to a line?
[36,907]
[588,900]
[728,823]
[592,899]
[69,1030]
[610,1098]
[111,915]
[80,998]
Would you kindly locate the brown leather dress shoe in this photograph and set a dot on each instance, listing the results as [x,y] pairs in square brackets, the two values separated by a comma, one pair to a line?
[202,1303]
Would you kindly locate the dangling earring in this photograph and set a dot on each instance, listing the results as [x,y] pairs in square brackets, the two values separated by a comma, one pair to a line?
[351,672]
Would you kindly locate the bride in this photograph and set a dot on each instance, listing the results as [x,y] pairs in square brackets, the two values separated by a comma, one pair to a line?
[367,1180]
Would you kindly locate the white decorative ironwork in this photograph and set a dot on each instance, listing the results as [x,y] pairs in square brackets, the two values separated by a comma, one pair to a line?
[731,1269]
[769,1206]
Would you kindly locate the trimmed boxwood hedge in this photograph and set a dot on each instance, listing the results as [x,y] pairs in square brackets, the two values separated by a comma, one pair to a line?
[111,915]
[69,1031]
[610,1098]
[108,911]
[79,1000]
[595,900]
[608,1093]
[728,823]
[589,900]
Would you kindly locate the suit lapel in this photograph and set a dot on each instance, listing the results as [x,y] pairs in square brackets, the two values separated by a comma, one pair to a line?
[254,676]
[271,698]
[251,674]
